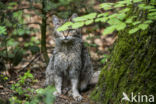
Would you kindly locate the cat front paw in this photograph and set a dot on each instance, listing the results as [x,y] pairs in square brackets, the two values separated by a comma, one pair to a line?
[77,97]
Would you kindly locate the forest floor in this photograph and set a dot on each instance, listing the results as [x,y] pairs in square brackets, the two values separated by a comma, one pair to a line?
[99,47]
[37,67]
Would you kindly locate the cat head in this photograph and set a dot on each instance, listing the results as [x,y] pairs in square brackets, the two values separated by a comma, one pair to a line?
[67,35]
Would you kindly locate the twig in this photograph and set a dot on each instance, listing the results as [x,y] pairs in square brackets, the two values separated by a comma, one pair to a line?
[36,23]
[31,62]
[21,9]
[26,8]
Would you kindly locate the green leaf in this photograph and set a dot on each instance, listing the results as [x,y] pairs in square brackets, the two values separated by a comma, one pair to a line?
[117,5]
[47,93]
[109,30]
[121,16]
[85,17]
[127,2]
[143,26]
[88,22]
[121,26]
[114,21]
[130,19]
[152,14]
[152,17]
[65,26]
[19,31]
[18,16]
[91,15]
[62,28]
[148,7]
[141,6]
[39,91]
[104,59]
[77,25]
[82,18]
[136,22]
[152,10]
[124,10]
[113,15]
[122,2]
[12,42]
[135,1]
[133,30]
[106,6]
[2,30]
[104,19]
[148,21]
[103,14]
[13,3]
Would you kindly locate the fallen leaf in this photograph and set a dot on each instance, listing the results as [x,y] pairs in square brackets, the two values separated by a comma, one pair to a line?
[1,87]
[11,82]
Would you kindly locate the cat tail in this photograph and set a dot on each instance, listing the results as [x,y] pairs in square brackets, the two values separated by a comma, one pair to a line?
[87,69]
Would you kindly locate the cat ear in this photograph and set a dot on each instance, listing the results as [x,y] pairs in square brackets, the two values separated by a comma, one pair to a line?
[73,16]
[55,20]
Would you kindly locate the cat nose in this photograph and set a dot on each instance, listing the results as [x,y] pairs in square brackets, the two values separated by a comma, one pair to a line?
[65,37]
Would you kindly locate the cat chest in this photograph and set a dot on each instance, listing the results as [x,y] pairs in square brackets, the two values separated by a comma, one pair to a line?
[65,61]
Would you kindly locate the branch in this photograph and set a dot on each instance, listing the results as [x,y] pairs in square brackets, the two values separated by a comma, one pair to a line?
[26,8]
[20,9]
[37,56]
[37,23]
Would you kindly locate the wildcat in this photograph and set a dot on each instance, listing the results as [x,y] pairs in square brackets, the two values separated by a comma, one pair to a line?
[70,64]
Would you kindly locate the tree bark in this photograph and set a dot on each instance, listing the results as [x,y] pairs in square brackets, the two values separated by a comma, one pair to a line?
[132,68]
[43,33]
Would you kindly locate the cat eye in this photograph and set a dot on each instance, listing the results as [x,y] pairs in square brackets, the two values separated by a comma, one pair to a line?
[71,30]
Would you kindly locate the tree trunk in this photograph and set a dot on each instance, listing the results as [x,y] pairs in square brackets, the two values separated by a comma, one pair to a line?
[43,33]
[132,68]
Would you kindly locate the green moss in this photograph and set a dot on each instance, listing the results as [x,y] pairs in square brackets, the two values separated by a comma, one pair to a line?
[131,68]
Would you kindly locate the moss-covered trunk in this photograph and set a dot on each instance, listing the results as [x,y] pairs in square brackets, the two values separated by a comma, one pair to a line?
[132,68]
